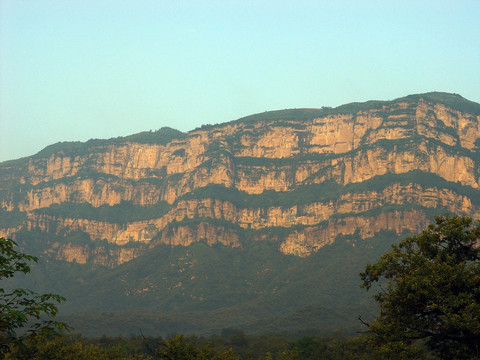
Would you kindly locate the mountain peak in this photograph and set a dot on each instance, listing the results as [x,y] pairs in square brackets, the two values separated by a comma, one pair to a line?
[454,101]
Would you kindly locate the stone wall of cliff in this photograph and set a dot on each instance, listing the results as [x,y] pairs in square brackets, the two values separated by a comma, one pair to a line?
[316,174]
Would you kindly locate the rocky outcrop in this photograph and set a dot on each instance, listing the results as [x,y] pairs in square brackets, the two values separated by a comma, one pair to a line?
[315,173]
[305,242]
[93,253]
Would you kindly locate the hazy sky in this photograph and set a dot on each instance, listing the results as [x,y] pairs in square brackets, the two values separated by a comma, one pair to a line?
[80,69]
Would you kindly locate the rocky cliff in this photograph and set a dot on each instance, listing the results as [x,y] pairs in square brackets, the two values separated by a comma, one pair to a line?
[299,177]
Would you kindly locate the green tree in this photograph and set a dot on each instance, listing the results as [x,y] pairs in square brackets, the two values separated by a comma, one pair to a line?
[67,348]
[429,294]
[23,313]
[178,348]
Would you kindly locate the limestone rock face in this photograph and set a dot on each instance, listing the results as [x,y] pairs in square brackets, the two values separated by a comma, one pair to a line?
[313,174]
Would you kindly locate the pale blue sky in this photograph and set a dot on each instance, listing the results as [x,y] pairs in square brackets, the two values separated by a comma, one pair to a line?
[80,69]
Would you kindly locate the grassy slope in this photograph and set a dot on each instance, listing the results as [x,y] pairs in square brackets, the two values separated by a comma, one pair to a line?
[203,289]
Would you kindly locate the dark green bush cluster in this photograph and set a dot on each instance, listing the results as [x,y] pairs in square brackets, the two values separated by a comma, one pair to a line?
[121,213]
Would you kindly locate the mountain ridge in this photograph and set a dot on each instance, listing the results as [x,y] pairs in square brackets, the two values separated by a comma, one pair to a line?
[273,203]
[255,172]
[453,100]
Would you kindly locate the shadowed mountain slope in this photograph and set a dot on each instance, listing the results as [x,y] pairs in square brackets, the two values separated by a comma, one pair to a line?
[269,215]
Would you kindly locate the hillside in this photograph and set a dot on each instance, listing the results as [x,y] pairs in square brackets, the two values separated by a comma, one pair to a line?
[263,207]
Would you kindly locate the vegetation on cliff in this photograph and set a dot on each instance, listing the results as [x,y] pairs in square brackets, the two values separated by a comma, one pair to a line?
[121,213]
[159,137]
[328,191]
[454,101]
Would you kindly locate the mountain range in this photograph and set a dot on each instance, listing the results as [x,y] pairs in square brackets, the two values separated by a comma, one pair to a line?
[262,223]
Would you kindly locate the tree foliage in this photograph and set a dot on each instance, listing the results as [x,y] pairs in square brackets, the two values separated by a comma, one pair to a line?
[66,348]
[23,313]
[236,345]
[430,292]
[177,348]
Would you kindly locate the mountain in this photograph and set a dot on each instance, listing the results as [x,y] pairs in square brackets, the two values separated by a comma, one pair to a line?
[261,223]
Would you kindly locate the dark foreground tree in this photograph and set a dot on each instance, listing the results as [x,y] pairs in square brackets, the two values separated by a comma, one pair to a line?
[430,292]
[23,313]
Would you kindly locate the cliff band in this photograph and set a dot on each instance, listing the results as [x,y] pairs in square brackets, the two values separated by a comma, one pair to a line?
[299,177]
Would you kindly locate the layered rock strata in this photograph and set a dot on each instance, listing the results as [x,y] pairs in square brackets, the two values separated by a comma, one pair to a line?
[314,173]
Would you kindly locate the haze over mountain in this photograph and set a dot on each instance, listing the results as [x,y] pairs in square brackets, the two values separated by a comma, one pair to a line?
[262,223]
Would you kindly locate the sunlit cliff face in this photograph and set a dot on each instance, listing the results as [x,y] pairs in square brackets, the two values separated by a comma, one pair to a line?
[377,161]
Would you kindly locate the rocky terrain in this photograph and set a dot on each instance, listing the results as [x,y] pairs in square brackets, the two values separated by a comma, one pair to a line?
[314,174]
[262,223]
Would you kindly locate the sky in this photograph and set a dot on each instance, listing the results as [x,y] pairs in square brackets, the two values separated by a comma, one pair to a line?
[73,70]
